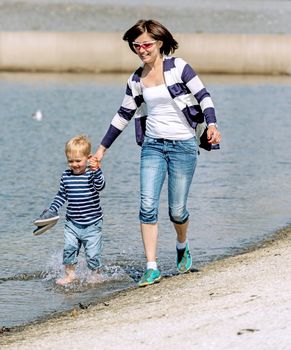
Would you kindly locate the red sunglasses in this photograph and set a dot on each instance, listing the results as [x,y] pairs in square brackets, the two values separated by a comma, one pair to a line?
[145,45]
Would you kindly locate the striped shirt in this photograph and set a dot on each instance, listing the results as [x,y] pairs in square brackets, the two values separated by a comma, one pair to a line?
[82,194]
[186,90]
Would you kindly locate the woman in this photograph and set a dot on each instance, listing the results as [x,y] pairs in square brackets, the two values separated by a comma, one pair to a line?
[170,104]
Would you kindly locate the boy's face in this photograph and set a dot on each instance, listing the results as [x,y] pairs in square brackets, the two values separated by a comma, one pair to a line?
[77,162]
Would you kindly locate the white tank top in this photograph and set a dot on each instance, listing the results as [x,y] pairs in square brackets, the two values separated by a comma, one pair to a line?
[164,118]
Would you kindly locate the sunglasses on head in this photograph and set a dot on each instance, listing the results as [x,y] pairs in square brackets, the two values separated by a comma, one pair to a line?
[145,45]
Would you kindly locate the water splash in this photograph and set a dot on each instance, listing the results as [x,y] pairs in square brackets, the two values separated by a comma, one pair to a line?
[85,278]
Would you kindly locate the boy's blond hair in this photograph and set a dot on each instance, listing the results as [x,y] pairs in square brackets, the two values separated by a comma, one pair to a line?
[79,144]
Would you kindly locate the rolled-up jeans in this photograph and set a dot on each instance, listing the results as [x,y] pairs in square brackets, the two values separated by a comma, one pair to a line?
[160,157]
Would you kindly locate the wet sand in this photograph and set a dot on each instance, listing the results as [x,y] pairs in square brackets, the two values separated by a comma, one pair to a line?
[236,303]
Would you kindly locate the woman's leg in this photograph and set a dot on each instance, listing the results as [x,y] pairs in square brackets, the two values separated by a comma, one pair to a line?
[153,168]
[152,274]
[182,164]
[149,233]
[181,230]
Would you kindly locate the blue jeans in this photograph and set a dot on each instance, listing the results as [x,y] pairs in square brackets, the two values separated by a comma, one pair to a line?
[160,157]
[90,236]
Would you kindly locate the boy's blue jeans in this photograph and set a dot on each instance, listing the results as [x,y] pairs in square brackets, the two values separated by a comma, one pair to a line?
[90,236]
[160,157]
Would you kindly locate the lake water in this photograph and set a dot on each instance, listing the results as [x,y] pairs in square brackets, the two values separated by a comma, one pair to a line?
[240,194]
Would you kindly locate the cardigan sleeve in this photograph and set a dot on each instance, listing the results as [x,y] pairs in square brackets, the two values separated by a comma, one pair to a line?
[190,78]
[123,116]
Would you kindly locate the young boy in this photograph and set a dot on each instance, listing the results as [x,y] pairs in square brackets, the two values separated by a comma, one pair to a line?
[80,188]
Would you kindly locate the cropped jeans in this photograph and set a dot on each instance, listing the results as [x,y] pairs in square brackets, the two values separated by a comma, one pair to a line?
[161,157]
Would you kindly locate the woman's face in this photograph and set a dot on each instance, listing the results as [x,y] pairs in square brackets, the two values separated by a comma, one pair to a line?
[147,48]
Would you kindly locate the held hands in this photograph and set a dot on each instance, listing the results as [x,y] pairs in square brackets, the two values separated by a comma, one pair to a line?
[95,160]
[94,163]
[213,135]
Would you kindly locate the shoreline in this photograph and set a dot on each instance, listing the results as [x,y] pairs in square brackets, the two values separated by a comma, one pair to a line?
[132,315]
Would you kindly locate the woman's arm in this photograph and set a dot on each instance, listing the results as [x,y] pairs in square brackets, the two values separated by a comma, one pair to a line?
[121,119]
[97,157]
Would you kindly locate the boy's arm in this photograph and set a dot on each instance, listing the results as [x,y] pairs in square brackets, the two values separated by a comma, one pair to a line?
[98,179]
[60,198]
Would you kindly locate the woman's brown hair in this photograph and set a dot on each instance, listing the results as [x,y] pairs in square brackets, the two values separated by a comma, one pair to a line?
[156,30]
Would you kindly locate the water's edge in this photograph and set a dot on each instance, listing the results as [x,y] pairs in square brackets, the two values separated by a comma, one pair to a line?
[5,332]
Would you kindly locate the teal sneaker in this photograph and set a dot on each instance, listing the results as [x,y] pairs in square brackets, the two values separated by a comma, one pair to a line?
[184,260]
[151,276]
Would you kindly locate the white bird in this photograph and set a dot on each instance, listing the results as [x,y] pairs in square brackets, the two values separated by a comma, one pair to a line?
[37,115]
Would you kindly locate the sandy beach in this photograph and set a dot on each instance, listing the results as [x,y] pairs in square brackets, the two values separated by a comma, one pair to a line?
[236,303]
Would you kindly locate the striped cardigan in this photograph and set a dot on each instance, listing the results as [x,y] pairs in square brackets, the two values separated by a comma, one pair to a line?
[185,88]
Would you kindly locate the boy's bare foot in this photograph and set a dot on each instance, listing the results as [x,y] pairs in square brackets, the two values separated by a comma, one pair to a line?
[65,280]
[69,276]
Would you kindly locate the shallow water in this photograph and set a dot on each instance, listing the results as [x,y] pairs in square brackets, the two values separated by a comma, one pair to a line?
[240,194]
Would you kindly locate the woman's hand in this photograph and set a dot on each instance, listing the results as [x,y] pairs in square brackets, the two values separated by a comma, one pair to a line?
[213,135]
[95,160]
[100,153]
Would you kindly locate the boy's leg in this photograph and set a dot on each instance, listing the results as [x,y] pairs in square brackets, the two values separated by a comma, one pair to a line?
[71,251]
[92,241]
